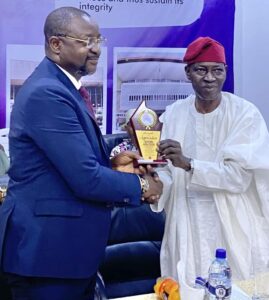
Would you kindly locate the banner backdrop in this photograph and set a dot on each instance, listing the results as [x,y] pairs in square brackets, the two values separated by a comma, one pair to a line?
[142,59]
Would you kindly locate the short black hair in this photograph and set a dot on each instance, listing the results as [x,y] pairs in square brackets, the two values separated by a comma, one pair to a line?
[59,20]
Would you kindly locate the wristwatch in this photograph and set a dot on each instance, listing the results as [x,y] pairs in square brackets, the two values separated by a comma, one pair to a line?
[191,166]
[3,193]
[144,184]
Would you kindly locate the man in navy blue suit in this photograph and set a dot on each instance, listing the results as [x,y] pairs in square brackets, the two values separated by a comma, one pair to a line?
[55,220]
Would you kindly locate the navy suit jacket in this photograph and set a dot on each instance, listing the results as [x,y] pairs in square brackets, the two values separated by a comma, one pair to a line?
[56,216]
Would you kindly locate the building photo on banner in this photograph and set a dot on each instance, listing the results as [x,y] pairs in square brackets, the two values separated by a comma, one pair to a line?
[155,75]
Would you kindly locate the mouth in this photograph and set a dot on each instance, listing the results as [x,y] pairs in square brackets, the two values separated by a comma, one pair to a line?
[93,60]
[209,87]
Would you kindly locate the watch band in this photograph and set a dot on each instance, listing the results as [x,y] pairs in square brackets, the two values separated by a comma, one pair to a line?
[3,193]
[144,184]
[191,166]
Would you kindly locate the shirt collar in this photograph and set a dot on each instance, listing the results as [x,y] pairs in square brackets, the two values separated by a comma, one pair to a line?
[76,83]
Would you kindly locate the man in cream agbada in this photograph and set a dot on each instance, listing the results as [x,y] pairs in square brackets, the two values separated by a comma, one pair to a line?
[216,187]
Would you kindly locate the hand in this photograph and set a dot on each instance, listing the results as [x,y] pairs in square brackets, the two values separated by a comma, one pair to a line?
[148,169]
[155,188]
[125,162]
[171,149]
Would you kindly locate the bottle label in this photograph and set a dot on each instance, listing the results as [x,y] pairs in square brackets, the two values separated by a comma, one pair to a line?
[219,291]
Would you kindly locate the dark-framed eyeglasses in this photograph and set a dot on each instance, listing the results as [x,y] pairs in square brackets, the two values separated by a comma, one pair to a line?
[90,41]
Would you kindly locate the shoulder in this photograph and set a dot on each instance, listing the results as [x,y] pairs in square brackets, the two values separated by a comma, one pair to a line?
[239,105]
[47,74]
[241,113]
[46,82]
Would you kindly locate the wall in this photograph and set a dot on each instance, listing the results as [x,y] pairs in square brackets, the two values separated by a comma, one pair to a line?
[251,53]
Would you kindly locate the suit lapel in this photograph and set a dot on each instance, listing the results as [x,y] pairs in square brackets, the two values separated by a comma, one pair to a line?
[52,68]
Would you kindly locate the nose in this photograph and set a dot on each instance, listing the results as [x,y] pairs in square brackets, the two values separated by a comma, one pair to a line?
[209,76]
[96,48]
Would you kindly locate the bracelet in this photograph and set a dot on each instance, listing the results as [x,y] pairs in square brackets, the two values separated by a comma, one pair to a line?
[3,193]
[144,184]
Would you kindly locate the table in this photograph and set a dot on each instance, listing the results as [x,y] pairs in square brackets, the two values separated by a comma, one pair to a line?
[248,286]
[140,297]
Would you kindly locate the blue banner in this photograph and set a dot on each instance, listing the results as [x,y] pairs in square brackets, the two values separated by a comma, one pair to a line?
[146,41]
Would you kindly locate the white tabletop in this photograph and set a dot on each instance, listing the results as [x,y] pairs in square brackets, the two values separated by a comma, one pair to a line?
[139,297]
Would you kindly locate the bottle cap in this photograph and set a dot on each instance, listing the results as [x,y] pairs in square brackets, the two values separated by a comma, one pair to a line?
[220,253]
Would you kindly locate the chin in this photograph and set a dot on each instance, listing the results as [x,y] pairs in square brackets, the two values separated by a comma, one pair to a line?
[88,71]
[91,70]
[91,67]
[210,97]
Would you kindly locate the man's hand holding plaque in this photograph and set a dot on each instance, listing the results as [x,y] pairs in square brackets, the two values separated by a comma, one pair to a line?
[146,132]
[151,185]
[124,162]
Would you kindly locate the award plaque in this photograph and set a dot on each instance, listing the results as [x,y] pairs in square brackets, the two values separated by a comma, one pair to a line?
[146,129]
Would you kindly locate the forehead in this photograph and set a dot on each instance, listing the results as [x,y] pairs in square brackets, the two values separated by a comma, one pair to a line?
[208,65]
[84,26]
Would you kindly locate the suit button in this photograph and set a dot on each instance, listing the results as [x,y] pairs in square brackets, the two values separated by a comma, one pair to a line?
[126,200]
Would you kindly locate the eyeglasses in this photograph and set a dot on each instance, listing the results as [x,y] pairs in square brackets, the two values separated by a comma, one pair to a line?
[90,41]
[203,71]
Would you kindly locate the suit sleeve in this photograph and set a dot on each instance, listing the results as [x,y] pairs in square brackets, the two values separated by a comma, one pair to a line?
[54,126]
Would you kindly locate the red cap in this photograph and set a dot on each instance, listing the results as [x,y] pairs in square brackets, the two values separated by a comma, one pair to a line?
[204,49]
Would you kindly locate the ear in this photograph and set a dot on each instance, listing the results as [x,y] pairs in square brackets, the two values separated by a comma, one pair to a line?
[187,71]
[55,44]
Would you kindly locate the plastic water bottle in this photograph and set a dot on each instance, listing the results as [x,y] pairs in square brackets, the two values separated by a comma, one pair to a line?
[219,278]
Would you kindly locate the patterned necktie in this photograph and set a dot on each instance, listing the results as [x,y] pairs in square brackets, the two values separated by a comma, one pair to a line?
[86,97]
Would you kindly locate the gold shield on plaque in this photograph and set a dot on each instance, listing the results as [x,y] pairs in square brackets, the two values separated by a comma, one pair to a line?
[147,133]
